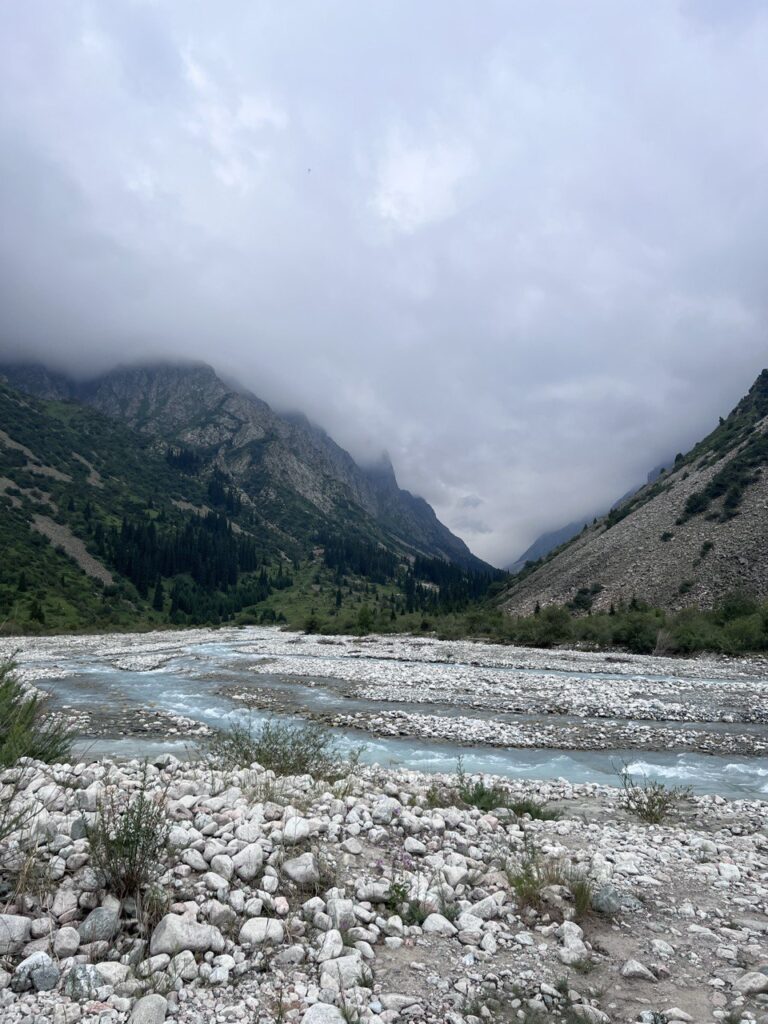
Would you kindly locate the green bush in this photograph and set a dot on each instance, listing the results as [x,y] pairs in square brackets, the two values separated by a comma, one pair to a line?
[301,749]
[26,728]
[128,840]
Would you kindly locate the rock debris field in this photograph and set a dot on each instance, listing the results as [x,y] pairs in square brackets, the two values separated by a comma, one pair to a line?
[380,898]
[385,896]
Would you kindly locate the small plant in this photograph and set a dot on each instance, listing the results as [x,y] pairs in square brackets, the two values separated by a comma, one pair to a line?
[666,537]
[128,840]
[477,793]
[649,800]
[26,730]
[285,749]
[532,876]
[533,809]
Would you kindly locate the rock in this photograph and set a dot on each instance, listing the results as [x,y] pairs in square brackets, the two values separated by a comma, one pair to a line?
[322,1013]
[674,1013]
[112,972]
[66,942]
[752,983]
[729,872]
[149,1010]
[296,830]
[247,863]
[14,933]
[176,933]
[607,899]
[633,969]
[332,947]
[82,982]
[342,973]
[385,809]
[37,971]
[261,931]
[101,925]
[590,1014]
[341,913]
[436,924]
[303,869]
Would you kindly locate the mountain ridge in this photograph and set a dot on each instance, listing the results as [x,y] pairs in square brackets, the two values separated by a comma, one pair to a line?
[686,538]
[188,405]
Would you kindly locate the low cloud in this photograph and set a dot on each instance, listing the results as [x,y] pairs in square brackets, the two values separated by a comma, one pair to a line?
[524,249]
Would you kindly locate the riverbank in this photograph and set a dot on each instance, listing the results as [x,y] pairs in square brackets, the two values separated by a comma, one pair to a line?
[417,701]
[381,899]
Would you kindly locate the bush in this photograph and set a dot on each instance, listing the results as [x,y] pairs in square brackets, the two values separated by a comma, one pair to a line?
[26,729]
[529,880]
[301,749]
[652,802]
[128,840]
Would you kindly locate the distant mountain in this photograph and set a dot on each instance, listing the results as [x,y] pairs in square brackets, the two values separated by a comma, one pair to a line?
[278,461]
[159,493]
[693,533]
[547,542]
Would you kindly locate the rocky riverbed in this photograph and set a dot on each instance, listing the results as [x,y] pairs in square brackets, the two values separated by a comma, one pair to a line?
[382,899]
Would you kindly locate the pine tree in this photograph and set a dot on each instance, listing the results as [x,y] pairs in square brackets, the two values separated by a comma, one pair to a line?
[159,599]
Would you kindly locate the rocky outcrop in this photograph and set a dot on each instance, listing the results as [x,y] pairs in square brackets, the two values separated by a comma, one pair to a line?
[655,548]
[262,452]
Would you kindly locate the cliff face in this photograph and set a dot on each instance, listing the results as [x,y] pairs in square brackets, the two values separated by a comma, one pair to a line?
[691,535]
[283,464]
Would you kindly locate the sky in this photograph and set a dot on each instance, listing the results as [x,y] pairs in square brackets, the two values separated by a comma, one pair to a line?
[522,247]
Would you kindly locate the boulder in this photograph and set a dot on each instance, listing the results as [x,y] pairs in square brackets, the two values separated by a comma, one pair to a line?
[176,933]
[36,972]
[436,924]
[303,869]
[322,1013]
[149,1010]
[14,933]
[101,925]
[262,931]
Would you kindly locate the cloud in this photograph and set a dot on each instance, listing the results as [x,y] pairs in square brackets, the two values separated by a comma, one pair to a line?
[524,251]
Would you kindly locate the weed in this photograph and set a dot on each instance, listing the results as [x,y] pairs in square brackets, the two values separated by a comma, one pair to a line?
[285,749]
[128,840]
[26,730]
[477,793]
[529,879]
[648,800]
[533,809]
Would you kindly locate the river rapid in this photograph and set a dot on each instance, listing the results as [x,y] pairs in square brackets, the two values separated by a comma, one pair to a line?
[417,702]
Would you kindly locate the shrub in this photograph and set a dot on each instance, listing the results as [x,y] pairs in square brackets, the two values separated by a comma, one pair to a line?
[648,800]
[26,729]
[128,840]
[533,809]
[286,749]
[532,876]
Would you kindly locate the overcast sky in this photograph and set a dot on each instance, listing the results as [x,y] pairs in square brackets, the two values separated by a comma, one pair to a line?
[522,246]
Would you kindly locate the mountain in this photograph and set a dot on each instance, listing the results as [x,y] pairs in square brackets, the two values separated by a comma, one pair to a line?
[547,542]
[159,493]
[692,534]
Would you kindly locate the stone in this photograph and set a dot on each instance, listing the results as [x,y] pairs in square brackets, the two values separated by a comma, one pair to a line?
[674,1013]
[607,899]
[322,1013]
[385,809]
[101,925]
[176,933]
[436,924]
[149,1010]
[112,972]
[248,861]
[262,931]
[66,942]
[341,913]
[36,971]
[303,869]
[590,1014]
[296,830]
[82,982]
[751,984]
[332,947]
[342,973]
[14,933]
[633,969]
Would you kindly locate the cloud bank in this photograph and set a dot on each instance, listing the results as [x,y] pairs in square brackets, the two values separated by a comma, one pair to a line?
[521,246]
